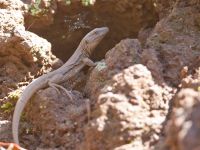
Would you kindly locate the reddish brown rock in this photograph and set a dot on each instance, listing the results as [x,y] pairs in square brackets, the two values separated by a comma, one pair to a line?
[182,131]
[174,40]
[131,92]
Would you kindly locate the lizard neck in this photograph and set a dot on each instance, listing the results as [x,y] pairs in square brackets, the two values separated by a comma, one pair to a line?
[74,59]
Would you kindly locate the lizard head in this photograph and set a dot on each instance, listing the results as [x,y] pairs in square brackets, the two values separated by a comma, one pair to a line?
[93,38]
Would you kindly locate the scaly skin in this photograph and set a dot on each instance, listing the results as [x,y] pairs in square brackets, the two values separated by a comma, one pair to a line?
[69,69]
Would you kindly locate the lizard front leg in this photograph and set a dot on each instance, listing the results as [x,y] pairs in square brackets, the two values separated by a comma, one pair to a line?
[83,62]
[63,77]
[52,83]
[88,62]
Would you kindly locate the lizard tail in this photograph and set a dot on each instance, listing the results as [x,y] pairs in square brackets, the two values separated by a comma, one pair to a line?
[26,95]
[15,122]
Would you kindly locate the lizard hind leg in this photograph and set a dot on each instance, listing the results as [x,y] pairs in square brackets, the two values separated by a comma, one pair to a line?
[57,87]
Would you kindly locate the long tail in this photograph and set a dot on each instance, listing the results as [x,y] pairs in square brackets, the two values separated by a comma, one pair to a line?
[26,95]
[15,122]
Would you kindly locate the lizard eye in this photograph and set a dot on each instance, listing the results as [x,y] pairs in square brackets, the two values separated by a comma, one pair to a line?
[95,32]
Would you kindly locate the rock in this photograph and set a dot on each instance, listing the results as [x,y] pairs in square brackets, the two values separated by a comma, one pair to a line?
[22,52]
[5,130]
[192,81]
[131,92]
[124,54]
[13,5]
[57,119]
[175,42]
[9,20]
[182,130]
[150,58]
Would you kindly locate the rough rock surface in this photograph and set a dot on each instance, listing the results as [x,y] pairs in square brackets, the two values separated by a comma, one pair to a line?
[182,131]
[192,80]
[131,92]
[128,95]
[22,53]
[5,127]
[13,5]
[123,55]
[120,94]
[175,41]
[59,119]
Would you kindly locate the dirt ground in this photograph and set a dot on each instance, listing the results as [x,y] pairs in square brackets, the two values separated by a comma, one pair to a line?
[143,94]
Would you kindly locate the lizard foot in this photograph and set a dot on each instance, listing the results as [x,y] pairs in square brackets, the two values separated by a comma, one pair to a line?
[88,62]
[56,86]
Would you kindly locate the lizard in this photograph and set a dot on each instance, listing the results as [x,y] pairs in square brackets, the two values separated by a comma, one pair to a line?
[74,64]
